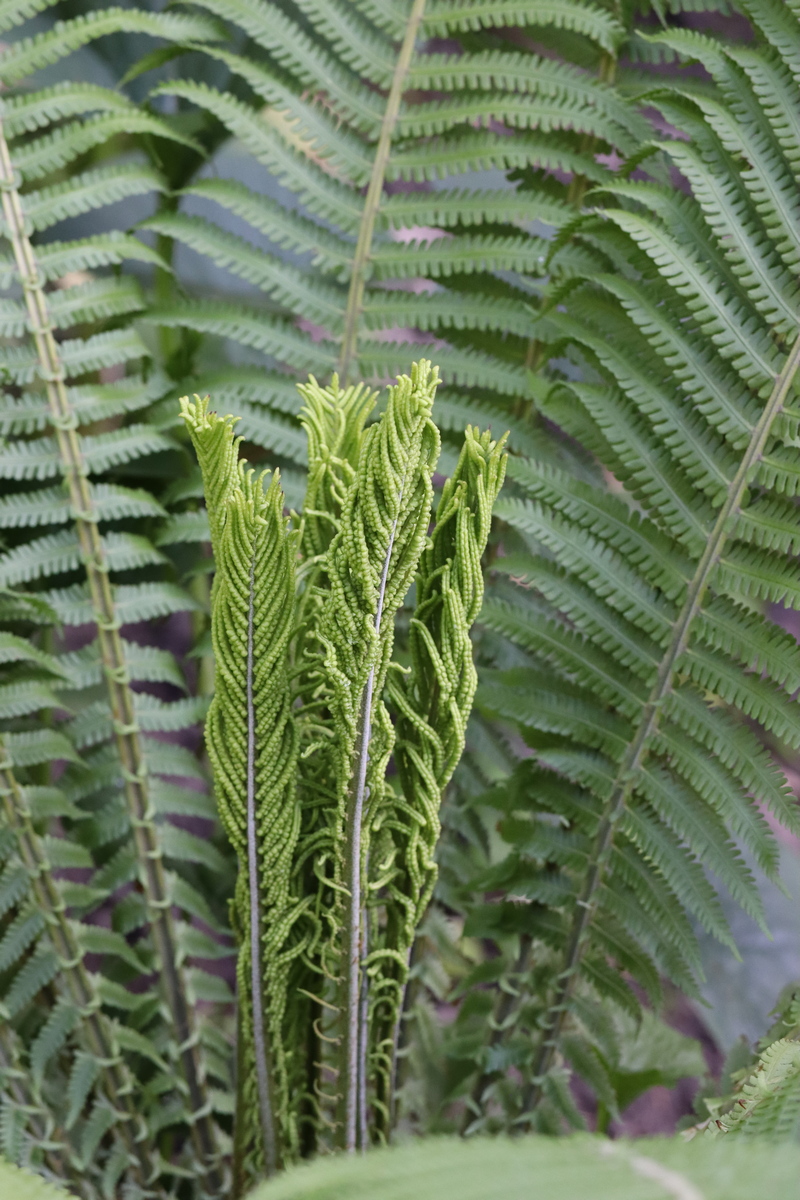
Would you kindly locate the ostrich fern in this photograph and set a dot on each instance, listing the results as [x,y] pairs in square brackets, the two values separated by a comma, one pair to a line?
[336,867]
[622,635]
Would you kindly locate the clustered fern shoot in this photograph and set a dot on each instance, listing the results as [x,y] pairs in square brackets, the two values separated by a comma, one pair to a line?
[336,863]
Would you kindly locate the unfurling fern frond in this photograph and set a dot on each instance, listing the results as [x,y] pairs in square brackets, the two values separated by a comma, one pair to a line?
[252,741]
[644,658]
[768,1103]
[760,1097]
[335,868]
[433,703]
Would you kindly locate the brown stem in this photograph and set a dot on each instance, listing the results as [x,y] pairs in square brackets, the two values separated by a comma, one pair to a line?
[121,698]
[372,201]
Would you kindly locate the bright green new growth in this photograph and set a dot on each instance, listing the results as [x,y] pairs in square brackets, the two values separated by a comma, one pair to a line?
[252,743]
[300,738]
[768,1105]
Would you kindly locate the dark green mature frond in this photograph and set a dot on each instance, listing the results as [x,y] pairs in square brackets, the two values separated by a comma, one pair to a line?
[648,659]
[109,817]
[335,100]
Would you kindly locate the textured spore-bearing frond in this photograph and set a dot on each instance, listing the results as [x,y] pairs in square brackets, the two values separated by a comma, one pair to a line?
[252,742]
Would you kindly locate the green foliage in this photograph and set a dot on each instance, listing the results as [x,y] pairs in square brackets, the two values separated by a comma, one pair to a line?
[768,1103]
[657,1168]
[644,661]
[91,1006]
[336,865]
[461,194]
[760,1093]
[351,109]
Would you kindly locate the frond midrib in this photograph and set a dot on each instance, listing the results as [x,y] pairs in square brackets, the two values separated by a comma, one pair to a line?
[374,194]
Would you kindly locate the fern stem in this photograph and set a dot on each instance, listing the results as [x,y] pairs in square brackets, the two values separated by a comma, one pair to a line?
[263,1072]
[355,1042]
[372,201]
[638,749]
[115,1077]
[121,698]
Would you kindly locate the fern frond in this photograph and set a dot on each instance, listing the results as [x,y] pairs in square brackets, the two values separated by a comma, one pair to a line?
[640,614]
[119,720]
[768,1103]
[432,705]
[590,20]
[57,259]
[326,146]
[51,912]
[31,54]
[253,745]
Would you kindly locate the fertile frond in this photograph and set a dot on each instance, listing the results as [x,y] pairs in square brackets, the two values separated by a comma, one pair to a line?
[336,869]
[252,742]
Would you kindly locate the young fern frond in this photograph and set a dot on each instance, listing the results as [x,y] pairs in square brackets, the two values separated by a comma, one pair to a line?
[300,738]
[767,1106]
[371,563]
[252,742]
[432,703]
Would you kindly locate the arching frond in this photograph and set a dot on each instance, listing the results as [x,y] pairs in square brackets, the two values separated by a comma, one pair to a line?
[647,657]
[340,108]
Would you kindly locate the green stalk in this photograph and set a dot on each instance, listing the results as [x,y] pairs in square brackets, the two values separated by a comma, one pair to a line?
[637,751]
[115,1078]
[372,201]
[121,699]
[260,1046]
[355,1037]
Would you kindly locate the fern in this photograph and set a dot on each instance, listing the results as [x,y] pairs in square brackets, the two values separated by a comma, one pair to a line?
[336,869]
[634,659]
[642,645]
[326,100]
[768,1103]
[758,1093]
[83,1057]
